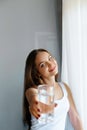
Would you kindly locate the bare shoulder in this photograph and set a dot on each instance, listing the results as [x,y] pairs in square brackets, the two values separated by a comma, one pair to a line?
[70,96]
[31,90]
[67,88]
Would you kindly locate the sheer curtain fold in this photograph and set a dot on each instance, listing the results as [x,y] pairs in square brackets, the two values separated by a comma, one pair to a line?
[74,53]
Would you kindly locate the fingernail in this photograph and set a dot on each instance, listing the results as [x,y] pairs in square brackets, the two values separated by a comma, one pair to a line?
[36,102]
[38,115]
[55,105]
[38,110]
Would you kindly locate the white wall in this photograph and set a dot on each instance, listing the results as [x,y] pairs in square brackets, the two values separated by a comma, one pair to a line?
[24,24]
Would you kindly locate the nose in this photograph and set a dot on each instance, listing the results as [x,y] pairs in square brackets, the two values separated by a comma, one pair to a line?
[50,64]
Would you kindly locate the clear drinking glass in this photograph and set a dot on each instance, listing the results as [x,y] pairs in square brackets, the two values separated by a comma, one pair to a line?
[46,103]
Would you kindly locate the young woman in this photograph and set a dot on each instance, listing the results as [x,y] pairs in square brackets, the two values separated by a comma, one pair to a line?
[42,68]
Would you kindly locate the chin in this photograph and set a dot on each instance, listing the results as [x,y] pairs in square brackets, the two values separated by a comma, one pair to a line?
[55,72]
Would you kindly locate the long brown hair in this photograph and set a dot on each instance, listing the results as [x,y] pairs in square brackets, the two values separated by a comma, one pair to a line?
[31,78]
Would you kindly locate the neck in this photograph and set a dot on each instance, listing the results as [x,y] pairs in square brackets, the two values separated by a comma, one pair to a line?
[50,81]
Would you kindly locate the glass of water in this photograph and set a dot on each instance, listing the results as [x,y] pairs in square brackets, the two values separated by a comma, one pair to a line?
[46,103]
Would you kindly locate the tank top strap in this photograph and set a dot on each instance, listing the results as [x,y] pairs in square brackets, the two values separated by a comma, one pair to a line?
[63,88]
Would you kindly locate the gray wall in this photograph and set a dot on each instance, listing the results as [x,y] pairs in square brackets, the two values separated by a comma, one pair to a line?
[24,25]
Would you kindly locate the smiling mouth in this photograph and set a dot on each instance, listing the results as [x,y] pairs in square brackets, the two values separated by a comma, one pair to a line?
[52,69]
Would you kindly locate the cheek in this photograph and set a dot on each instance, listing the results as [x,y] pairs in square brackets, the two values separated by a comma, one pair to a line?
[43,71]
[56,65]
[55,62]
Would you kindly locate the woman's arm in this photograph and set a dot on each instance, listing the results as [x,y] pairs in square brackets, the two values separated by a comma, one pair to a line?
[32,98]
[36,107]
[30,94]
[73,114]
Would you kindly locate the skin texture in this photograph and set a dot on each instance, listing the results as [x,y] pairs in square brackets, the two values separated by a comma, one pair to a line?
[47,68]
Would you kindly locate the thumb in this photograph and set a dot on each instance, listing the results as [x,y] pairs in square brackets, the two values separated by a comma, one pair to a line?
[55,104]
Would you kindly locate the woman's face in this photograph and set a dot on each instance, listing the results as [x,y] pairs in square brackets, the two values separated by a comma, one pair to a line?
[46,65]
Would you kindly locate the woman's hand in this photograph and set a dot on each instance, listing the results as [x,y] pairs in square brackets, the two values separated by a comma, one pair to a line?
[32,98]
[45,108]
[36,108]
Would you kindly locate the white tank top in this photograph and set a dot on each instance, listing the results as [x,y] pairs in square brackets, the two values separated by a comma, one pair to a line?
[60,113]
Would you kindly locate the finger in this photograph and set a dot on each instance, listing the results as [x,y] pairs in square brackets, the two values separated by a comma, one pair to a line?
[55,105]
[34,105]
[36,115]
[47,108]
[35,111]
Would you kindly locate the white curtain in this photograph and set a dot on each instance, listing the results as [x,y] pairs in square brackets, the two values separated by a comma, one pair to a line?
[74,53]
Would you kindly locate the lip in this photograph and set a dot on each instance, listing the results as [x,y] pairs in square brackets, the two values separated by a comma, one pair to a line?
[52,69]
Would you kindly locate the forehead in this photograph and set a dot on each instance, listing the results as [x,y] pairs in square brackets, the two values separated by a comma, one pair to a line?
[41,56]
